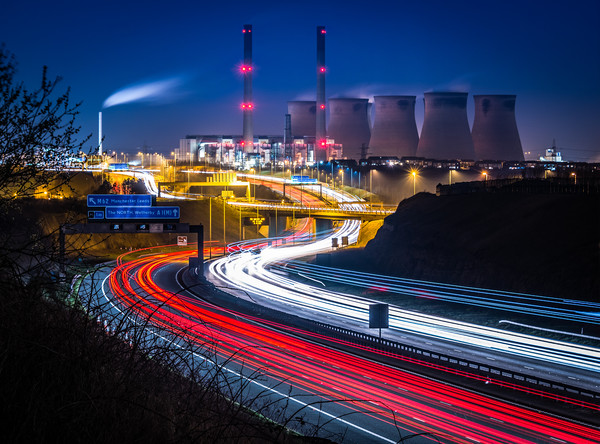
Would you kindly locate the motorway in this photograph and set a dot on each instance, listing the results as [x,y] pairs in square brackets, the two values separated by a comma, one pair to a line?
[351,396]
[386,397]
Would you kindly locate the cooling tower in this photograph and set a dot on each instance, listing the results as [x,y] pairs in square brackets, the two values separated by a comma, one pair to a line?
[247,104]
[394,130]
[445,133]
[349,125]
[303,113]
[495,133]
[321,130]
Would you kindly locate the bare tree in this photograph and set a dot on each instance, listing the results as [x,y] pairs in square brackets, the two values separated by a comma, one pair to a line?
[38,135]
[38,139]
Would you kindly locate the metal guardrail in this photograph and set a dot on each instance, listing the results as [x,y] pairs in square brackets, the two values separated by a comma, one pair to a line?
[461,364]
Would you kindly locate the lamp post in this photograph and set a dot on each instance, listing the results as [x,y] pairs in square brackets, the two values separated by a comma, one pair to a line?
[253,186]
[485,175]
[450,176]
[414,175]
[574,177]
[341,173]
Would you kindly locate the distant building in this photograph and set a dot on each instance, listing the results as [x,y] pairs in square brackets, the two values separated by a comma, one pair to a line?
[551,155]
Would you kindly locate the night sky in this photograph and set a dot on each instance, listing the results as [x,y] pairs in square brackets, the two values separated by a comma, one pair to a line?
[547,53]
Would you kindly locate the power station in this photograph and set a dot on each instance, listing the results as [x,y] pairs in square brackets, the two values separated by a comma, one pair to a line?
[446,133]
[308,139]
[394,130]
[303,114]
[495,133]
[349,125]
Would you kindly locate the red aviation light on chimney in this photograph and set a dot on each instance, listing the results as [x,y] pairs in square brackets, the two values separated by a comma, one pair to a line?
[247,106]
[322,106]
[322,69]
[246,68]
[323,31]
[242,143]
[323,144]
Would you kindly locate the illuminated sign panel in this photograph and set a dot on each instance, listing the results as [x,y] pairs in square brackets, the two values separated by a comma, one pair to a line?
[119,200]
[142,212]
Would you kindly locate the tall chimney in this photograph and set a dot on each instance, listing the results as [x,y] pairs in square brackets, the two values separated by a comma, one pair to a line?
[321,130]
[247,105]
[100,133]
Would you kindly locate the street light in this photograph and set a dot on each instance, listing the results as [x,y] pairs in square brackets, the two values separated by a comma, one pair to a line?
[341,173]
[485,175]
[414,175]
[253,184]
[574,177]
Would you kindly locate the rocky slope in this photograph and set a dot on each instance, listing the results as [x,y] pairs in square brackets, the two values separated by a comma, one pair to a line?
[534,243]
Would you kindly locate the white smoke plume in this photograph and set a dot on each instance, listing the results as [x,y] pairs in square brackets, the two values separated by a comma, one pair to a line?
[144,92]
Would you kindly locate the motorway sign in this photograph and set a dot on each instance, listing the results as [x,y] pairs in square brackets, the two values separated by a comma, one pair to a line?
[95,214]
[303,179]
[142,213]
[119,200]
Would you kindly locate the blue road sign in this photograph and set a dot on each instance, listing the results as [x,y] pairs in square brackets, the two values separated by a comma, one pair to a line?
[94,214]
[142,213]
[119,200]
[303,179]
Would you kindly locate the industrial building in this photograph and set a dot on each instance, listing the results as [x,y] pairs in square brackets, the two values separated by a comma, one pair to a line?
[308,139]
[394,130]
[495,134]
[349,125]
[446,133]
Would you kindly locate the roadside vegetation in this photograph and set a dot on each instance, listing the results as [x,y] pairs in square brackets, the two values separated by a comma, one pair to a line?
[70,372]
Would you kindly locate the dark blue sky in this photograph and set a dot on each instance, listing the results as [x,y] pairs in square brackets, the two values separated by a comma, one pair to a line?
[548,53]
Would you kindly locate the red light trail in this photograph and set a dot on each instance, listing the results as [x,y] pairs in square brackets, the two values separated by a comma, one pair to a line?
[385,394]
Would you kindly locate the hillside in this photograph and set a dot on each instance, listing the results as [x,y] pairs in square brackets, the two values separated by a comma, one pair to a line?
[534,243]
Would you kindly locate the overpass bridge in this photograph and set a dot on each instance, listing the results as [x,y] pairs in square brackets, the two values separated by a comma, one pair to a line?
[351,210]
